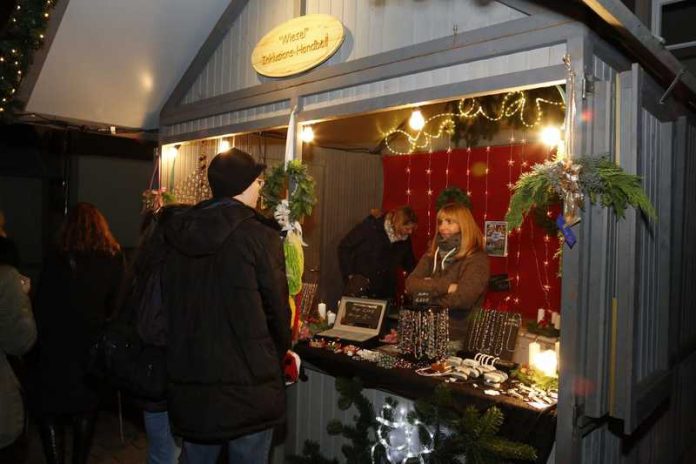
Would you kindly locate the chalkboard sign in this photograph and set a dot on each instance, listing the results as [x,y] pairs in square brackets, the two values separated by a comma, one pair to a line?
[366,314]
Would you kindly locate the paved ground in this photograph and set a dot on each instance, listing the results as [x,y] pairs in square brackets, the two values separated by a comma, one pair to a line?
[107,448]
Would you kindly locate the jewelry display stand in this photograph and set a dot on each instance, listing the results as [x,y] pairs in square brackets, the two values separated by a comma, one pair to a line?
[423,332]
[493,333]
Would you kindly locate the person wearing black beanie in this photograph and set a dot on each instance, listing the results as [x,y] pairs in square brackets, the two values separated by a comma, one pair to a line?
[225,295]
[231,172]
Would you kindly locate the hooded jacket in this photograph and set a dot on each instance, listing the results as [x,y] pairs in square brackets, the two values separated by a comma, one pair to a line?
[226,297]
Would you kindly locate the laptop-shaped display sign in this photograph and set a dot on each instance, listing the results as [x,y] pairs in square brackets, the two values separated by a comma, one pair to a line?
[358,319]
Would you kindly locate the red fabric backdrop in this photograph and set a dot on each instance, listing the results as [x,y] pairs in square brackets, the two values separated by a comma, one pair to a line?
[530,262]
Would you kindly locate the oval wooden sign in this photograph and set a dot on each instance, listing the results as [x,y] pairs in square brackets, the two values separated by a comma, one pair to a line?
[297,45]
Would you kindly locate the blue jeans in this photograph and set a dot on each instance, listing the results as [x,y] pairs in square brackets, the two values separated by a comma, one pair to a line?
[161,447]
[249,449]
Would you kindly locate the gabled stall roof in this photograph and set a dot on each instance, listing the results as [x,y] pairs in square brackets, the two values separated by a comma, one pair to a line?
[116,62]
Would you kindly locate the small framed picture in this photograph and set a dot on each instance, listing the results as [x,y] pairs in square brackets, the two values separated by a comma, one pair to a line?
[496,235]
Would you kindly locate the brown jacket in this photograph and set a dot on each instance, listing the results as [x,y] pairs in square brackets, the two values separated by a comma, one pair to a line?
[471,276]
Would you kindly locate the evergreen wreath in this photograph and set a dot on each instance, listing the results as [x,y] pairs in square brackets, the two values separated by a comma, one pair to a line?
[598,178]
[295,178]
[459,435]
[452,195]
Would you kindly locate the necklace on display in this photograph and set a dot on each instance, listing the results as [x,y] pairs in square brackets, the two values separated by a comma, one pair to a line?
[513,323]
[500,333]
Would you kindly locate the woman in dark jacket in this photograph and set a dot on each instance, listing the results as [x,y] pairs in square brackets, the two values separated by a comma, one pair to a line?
[371,253]
[76,294]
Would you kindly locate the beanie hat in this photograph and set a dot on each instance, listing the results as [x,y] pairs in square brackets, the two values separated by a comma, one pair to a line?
[231,172]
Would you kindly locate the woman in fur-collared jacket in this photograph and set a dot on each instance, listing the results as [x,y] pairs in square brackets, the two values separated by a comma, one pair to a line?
[455,270]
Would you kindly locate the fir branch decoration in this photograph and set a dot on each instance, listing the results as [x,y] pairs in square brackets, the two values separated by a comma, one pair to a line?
[295,177]
[460,436]
[19,38]
[534,188]
[534,378]
[598,178]
[543,330]
[467,436]
[452,195]
[614,186]
[360,435]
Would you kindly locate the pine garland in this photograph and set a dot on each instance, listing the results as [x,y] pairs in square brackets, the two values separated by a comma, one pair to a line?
[23,35]
[468,436]
[598,178]
[302,195]
[460,437]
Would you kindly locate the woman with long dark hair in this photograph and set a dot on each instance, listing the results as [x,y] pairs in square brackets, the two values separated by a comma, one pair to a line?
[77,292]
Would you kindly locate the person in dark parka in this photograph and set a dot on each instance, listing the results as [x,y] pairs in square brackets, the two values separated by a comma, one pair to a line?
[78,290]
[226,296]
[372,252]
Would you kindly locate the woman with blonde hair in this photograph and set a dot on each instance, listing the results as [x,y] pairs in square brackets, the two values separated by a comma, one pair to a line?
[77,292]
[454,272]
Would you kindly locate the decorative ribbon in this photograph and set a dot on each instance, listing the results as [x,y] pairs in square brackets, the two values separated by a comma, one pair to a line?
[282,216]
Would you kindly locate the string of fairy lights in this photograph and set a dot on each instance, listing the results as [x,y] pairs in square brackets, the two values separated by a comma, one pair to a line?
[541,261]
[513,104]
[23,35]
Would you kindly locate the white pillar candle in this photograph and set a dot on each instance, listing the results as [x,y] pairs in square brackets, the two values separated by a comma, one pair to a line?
[322,311]
[557,322]
[547,363]
[541,313]
[331,317]
[534,350]
[558,354]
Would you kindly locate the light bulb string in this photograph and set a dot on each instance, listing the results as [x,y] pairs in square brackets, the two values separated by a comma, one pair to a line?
[513,103]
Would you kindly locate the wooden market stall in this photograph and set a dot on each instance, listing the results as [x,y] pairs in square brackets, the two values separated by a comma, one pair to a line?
[628,335]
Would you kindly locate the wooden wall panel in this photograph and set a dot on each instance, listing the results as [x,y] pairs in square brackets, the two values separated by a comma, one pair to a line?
[371,27]
[312,404]
[522,61]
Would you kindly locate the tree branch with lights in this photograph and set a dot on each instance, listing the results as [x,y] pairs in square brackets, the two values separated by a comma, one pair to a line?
[19,39]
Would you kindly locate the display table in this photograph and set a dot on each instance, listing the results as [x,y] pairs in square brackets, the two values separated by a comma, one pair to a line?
[523,422]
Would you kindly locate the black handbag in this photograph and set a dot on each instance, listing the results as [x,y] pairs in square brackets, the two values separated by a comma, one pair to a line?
[122,359]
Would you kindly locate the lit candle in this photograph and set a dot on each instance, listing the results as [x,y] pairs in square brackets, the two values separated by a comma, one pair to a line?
[331,317]
[322,311]
[541,313]
[534,350]
[547,363]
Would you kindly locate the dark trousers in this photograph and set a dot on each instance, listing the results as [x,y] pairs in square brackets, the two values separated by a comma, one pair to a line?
[52,432]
